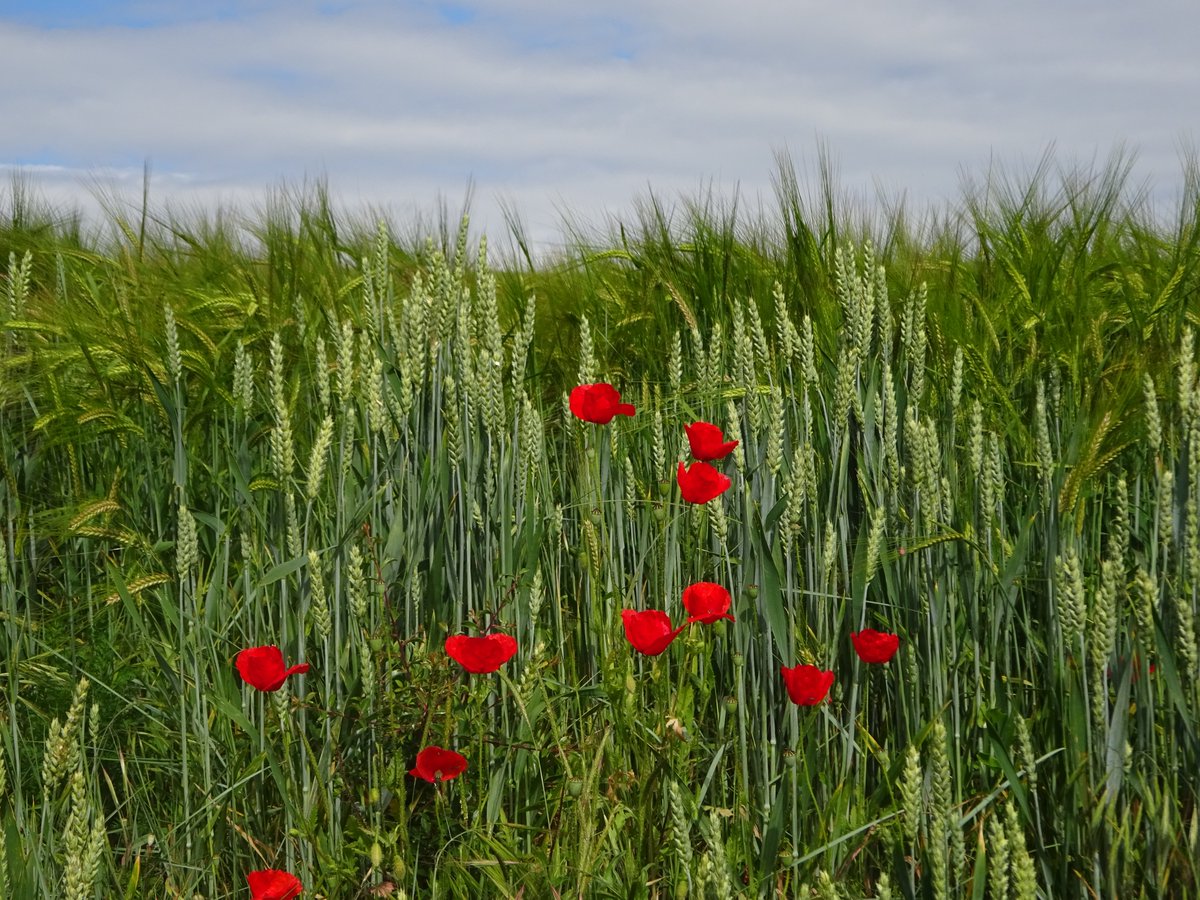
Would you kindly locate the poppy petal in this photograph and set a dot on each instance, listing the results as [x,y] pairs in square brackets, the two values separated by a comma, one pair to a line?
[273,884]
[481,655]
[436,764]
[707,441]
[649,631]
[807,685]
[262,667]
[875,646]
[700,482]
[707,602]
[598,403]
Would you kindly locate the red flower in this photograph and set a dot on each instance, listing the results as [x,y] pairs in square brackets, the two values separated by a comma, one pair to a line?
[480,655]
[1138,669]
[875,646]
[435,764]
[700,482]
[806,685]
[708,441]
[262,667]
[706,602]
[273,884]
[650,631]
[598,403]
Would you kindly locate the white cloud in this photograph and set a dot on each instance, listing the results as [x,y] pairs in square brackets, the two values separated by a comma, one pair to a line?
[552,104]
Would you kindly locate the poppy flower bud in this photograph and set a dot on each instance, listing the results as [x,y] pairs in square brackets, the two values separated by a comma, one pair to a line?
[376,855]
[598,403]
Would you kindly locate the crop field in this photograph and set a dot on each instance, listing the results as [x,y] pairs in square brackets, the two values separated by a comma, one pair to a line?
[929,630]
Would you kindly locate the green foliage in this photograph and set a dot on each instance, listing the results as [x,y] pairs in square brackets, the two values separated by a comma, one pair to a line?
[227,432]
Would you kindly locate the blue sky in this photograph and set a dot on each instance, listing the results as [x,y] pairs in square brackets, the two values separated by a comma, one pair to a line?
[550,106]
[68,14]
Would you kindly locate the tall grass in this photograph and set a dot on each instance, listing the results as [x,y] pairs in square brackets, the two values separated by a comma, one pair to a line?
[982,435]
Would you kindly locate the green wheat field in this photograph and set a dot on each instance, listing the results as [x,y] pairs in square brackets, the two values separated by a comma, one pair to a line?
[977,429]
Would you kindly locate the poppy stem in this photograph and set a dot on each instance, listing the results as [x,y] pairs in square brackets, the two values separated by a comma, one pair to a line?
[441,804]
[848,743]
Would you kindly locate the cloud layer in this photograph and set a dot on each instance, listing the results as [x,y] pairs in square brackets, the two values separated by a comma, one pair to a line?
[554,106]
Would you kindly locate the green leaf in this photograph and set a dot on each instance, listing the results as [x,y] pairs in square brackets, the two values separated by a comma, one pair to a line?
[281,571]
[1118,726]
[770,598]
[773,834]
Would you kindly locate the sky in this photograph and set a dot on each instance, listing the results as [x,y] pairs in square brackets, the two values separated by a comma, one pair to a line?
[553,108]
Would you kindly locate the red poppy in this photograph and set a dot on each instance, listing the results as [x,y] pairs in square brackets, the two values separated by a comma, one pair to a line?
[875,646]
[706,602]
[1138,669]
[598,403]
[480,655]
[262,667]
[273,884]
[650,631]
[708,441]
[700,482]
[807,685]
[435,764]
